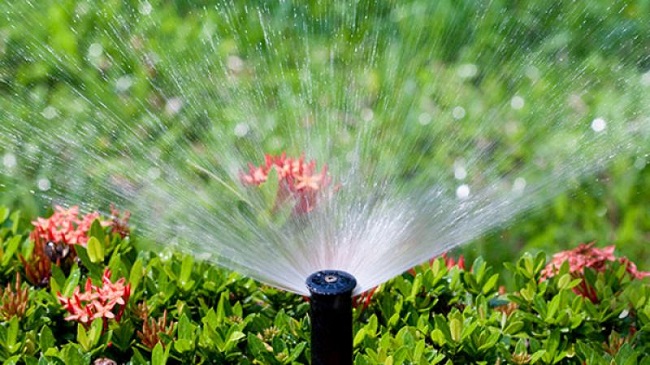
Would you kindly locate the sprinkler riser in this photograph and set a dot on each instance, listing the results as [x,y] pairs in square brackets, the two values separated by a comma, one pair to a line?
[331,317]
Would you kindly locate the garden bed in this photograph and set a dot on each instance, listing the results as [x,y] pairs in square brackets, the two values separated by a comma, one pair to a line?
[77,289]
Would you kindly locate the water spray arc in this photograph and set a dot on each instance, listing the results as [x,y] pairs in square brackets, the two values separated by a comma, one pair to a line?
[331,317]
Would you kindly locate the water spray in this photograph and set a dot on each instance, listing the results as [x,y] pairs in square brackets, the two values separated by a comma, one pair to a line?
[331,317]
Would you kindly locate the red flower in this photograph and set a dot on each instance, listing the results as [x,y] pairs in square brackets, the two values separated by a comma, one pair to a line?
[588,256]
[65,226]
[107,301]
[297,178]
[363,300]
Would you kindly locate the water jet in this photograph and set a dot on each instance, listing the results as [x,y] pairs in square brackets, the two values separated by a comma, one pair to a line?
[408,114]
[331,316]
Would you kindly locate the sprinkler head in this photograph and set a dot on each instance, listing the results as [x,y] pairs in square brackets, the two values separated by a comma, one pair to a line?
[331,282]
[331,317]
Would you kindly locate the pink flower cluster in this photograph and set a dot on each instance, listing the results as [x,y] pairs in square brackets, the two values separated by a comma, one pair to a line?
[107,301]
[588,256]
[65,226]
[297,178]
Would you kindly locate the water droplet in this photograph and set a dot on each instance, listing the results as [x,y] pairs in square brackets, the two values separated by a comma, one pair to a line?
[95,50]
[460,172]
[153,173]
[519,185]
[467,71]
[645,79]
[517,102]
[367,114]
[511,128]
[9,160]
[458,112]
[50,112]
[235,64]
[598,124]
[462,192]
[123,83]
[640,163]
[532,73]
[624,314]
[424,118]
[173,106]
[241,129]
[145,8]
[44,184]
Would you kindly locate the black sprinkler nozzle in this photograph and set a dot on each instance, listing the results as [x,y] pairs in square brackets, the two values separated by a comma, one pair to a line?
[331,317]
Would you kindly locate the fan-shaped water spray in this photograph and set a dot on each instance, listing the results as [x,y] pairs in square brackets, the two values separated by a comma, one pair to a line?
[431,134]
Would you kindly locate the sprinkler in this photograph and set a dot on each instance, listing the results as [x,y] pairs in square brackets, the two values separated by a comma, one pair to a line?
[331,317]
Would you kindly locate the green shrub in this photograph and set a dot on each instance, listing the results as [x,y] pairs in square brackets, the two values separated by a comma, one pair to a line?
[183,311]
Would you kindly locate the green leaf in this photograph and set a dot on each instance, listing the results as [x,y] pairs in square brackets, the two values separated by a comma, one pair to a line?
[72,281]
[185,328]
[443,327]
[46,338]
[256,345]
[553,307]
[490,341]
[468,330]
[135,276]
[224,301]
[490,284]
[95,333]
[97,231]
[95,250]
[438,337]
[186,272]
[183,345]
[96,269]
[11,342]
[122,334]
[295,353]
[138,359]
[537,355]
[57,280]
[514,327]
[4,214]
[15,219]
[540,261]
[11,247]
[82,337]
[235,336]
[72,354]
[359,337]
[455,328]
[158,356]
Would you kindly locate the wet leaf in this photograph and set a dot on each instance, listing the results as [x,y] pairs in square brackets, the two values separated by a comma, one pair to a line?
[95,250]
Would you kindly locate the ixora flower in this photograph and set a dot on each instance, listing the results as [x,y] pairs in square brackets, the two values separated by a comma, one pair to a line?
[107,301]
[588,256]
[298,179]
[54,238]
[65,226]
